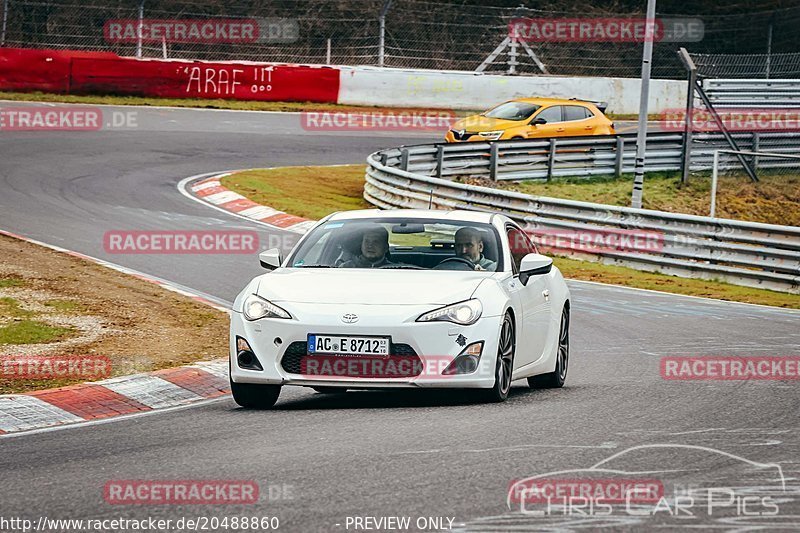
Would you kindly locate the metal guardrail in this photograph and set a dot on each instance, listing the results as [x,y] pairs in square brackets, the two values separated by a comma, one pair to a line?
[753,93]
[582,156]
[744,253]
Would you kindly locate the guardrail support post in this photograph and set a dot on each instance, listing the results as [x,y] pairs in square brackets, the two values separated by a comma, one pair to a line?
[756,145]
[439,160]
[620,153]
[551,159]
[384,158]
[494,152]
[404,159]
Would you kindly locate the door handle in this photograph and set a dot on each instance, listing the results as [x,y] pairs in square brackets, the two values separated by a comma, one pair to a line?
[588,127]
[546,294]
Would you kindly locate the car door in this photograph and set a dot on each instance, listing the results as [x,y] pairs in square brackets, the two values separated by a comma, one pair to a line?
[534,301]
[553,127]
[578,120]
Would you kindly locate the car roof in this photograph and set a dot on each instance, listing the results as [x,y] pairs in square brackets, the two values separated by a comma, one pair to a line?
[452,215]
[550,101]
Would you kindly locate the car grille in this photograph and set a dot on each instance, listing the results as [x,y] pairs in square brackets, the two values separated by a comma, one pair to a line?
[457,135]
[290,361]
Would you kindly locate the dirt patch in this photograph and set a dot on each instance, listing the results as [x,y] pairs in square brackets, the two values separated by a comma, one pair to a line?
[138,325]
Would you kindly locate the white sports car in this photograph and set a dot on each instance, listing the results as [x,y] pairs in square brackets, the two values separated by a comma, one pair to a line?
[401,298]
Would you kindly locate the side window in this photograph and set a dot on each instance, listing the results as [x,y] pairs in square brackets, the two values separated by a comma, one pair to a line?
[520,246]
[551,114]
[575,112]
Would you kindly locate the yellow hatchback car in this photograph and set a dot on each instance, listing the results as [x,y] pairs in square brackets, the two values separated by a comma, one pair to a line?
[532,118]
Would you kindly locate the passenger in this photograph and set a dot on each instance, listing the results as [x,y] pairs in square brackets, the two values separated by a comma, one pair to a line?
[374,246]
[469,246]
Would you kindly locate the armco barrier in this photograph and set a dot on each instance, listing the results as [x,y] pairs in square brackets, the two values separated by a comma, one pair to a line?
[105,73]
[753,93]
[744,253]
[584,156]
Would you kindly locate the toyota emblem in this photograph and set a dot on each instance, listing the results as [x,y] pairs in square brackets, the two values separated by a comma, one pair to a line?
[349,318]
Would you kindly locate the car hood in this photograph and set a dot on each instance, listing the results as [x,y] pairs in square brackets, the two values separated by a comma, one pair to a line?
[482,123]
[365,286]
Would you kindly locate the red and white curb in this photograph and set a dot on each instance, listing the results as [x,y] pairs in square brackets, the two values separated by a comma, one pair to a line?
[124,395]
[208,190]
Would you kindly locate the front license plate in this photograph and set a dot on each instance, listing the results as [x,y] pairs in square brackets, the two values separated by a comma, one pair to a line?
[348,345]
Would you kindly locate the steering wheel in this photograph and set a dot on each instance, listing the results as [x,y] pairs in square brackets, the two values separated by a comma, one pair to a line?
[458,262]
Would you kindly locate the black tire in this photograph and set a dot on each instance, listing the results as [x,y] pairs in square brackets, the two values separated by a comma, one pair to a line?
[329,390]
[556,379]
[255,396]
[504,365]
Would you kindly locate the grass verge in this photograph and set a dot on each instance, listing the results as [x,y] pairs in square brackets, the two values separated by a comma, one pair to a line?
[57,305]
[773,200]
[314,192]
[202,103]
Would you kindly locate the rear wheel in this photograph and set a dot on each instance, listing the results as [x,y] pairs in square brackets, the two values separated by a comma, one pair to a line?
[556,379]
[505,362]
[255,396]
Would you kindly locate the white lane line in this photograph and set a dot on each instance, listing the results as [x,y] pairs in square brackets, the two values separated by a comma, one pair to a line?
[151,391]
[18,413]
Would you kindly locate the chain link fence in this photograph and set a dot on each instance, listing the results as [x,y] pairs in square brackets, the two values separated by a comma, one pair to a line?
[416,33]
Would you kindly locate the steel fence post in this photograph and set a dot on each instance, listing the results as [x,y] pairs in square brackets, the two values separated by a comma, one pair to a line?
[551,159]
[139,30]
[5,23]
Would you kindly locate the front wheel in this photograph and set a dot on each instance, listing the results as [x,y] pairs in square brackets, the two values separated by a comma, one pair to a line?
[505,362]
[255,396]
[556,379]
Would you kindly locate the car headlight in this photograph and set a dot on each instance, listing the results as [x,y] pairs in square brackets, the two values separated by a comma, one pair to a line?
[256,307]
[464,313]
[491,135]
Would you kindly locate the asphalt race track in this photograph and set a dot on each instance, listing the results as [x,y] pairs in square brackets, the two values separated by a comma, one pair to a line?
[374,453]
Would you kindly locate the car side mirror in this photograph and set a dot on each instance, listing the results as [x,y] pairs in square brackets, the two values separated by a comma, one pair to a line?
[271,259]
[534,265]
[538,121]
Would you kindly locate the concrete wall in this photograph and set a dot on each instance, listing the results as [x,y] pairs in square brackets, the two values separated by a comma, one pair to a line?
[469,90]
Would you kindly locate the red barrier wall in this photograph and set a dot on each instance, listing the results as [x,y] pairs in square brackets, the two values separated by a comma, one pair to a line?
[39,70]
[106,73]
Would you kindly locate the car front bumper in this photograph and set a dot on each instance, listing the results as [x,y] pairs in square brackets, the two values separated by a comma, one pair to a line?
[274,341]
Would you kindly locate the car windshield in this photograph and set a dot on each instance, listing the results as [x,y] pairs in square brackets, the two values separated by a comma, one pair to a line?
[513,111]
[402,243]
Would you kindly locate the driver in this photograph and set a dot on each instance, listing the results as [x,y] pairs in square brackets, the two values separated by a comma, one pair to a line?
[469,246]
[374,246]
